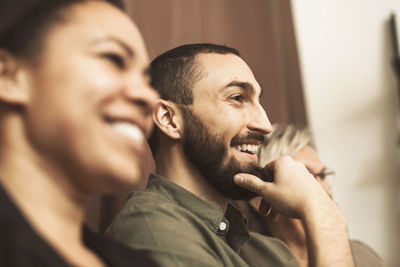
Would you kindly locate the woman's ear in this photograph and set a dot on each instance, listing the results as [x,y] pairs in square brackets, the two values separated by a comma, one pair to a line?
[167,118]
[14,88]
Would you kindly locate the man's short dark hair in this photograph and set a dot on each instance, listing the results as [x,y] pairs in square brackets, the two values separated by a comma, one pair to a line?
[174,72]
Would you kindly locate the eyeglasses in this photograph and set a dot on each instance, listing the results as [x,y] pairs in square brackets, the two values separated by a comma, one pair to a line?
[326,175]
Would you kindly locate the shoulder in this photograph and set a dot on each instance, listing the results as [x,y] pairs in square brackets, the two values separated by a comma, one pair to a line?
[169,233]
[20,245]
[149,209]
[364,255]
[151,218]
[115,253]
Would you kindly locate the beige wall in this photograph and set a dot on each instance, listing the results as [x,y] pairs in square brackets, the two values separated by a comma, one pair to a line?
[352,107]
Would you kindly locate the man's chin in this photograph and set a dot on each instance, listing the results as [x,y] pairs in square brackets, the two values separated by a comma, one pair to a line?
[228,188]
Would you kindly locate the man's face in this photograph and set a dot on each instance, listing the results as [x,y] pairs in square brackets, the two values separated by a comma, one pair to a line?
[226,123]
[90,108]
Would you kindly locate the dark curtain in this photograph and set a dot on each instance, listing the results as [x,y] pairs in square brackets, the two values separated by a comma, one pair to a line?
[262,30]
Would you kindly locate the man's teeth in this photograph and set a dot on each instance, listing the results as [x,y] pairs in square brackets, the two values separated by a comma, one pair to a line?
[129,130]
[247,148]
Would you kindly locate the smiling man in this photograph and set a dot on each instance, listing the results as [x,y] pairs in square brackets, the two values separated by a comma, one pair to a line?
[210,125]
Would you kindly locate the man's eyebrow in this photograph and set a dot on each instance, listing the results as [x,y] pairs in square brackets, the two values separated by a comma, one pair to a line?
[116,40]
[243,85]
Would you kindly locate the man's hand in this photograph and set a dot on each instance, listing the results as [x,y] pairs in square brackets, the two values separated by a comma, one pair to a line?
[294,192]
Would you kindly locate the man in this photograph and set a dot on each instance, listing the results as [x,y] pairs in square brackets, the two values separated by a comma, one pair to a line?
[210,124]
[298,143]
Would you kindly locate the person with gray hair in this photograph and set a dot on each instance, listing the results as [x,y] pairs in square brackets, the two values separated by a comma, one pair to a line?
[297,142]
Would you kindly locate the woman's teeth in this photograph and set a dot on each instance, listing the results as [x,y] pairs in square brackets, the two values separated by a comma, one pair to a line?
[252,149]
[129,130]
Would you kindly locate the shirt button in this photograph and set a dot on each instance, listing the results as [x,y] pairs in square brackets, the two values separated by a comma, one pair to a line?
[222,226]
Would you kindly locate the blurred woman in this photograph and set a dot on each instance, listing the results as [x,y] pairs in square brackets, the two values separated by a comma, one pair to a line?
[75,111]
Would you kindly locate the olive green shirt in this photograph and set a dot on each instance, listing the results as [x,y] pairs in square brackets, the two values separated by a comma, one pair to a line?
[179,229]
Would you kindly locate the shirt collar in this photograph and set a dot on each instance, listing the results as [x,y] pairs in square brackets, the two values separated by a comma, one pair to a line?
[230,226]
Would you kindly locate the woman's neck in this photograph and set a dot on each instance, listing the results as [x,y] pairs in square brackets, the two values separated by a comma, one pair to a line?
[50,202]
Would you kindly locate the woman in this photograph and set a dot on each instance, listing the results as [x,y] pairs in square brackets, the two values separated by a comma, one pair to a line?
[75,109]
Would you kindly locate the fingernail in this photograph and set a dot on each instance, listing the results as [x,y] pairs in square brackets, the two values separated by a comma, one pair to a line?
[238,178]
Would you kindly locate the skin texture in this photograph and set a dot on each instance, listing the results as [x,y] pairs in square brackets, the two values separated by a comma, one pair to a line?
[56,122]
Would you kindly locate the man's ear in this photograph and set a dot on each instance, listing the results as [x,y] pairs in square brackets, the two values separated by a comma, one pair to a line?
[13,80]
[168,119]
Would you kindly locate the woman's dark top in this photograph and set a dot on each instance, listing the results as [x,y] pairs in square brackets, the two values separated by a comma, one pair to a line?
[20,245]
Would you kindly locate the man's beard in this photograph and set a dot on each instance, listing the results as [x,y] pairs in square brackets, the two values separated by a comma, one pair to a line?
[207,153]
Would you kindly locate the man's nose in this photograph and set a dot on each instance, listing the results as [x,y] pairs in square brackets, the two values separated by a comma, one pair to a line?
[259,121]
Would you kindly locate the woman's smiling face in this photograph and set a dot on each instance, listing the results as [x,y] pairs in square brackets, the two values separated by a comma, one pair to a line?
[89,110]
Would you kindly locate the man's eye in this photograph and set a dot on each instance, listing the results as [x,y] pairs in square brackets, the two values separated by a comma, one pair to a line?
[238,98]
[115,59]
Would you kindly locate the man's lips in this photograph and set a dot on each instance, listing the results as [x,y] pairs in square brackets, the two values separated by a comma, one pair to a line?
[247,148]
[249,143]
[251,138]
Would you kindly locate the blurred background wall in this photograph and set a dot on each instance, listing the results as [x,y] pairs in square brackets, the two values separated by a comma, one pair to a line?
[352,106]
[342,86]
[262,30]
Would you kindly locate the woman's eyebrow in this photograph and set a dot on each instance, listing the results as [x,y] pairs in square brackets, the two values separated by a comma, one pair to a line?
[119,42]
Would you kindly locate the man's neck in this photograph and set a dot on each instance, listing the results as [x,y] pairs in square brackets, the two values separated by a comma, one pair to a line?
[176,168]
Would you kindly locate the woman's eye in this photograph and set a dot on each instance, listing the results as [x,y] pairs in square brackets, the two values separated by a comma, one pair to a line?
[116,60]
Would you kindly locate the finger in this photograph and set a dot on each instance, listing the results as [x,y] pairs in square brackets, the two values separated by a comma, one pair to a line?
[251,183]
